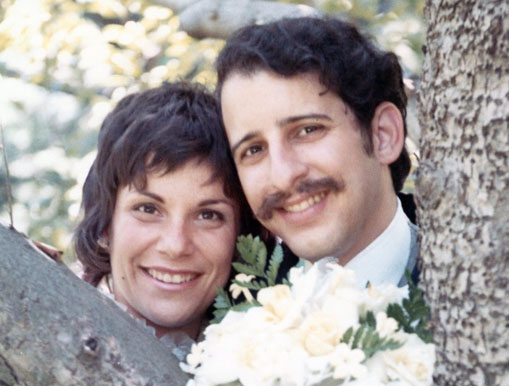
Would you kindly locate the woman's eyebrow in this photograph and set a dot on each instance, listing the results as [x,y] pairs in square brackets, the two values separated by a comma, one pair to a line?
[215,201]
[151,195]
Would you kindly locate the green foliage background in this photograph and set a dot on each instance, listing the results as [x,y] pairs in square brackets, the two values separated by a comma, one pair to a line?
[64,64]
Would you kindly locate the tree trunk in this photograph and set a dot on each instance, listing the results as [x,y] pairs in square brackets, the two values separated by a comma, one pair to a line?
[57,330]
[463,188]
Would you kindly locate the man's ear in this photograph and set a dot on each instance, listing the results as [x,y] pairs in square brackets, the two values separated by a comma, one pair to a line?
[387,132]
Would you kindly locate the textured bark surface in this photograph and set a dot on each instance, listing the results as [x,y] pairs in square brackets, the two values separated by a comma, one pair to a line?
[57,330]
[463,188]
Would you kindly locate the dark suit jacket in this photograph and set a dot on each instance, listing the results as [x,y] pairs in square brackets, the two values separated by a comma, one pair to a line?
[412,259]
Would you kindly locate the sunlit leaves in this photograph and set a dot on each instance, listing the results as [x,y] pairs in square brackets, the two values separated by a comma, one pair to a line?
[97,51]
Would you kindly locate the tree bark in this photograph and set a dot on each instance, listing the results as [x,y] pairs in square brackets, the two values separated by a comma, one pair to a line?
[57,330]
[463,188]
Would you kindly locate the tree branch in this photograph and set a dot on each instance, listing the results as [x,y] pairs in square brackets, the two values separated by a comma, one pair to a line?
[56,329]
[219,18]
[176,6]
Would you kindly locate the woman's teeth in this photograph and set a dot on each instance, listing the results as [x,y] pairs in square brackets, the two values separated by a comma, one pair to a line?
[171,278]
[305,203]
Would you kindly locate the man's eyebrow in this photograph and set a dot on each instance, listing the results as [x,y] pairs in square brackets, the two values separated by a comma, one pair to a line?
[281,123]
[245,138]
[296,118]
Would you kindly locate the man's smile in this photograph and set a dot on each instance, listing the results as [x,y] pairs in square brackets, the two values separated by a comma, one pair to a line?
[306,203]
[314,191]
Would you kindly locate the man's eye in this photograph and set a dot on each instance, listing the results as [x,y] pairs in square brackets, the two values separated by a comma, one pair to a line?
[252,150]
[307,130]
[211,215]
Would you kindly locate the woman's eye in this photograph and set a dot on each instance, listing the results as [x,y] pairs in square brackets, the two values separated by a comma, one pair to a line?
[211,215]
[147,208]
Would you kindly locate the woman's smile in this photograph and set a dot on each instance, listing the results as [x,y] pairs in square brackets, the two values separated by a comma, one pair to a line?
[171,277]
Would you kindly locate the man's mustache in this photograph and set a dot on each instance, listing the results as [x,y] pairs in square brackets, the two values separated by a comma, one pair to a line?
[276,200]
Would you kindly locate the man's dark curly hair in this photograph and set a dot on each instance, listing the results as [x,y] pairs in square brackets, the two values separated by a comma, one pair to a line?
[160,129]
[347,63]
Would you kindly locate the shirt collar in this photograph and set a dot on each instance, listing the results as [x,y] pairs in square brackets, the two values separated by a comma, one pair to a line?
[385,259]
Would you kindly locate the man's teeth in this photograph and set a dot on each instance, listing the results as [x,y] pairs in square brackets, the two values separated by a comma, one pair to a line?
[306,203]
[173,279]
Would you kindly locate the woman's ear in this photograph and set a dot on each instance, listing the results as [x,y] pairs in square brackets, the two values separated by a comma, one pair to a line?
[104,240]
[387,130]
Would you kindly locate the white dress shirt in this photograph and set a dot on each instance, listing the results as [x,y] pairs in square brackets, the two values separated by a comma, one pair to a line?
[385,259]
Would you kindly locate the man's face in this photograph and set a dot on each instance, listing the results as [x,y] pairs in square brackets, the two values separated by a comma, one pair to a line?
[302,164]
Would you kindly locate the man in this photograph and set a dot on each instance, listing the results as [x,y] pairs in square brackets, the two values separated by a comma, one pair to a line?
[315,118]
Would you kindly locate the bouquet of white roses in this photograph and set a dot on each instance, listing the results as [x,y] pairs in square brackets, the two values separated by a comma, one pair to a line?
[319,328]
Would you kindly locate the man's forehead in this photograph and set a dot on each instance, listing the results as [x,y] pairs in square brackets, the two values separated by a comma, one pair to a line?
[269,83]
[245,96]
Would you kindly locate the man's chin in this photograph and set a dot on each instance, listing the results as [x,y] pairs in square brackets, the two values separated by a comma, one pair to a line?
[311,251]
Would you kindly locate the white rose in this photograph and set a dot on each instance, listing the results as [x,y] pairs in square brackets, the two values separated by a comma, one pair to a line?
[193,359]
[412,363]
[343,310]
[347,362]
[378,298]
[319,333]
[385,326]
[342,278]
[267,356]
[217,361]
[279,305]
[307,283]
[276,299]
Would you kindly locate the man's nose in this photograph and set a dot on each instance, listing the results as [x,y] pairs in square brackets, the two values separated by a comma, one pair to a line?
[175,240]
[286,168]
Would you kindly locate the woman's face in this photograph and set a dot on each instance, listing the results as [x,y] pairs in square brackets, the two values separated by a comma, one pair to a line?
[171,246]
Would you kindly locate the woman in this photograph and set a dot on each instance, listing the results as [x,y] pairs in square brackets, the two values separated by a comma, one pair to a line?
[163,207]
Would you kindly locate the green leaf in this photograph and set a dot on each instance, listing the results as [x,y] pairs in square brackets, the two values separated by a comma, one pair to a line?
[261,255]
[247,269]
[414,316]
[254,254]
[246,247]
[369,337]
[275,261]
[222,299]
[396,312]
[357,336]
[368,340]
[347,336]
[244,306]
[370,319]
[251,249]
[219,315]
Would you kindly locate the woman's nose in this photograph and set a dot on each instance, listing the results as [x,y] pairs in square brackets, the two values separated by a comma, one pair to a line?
[175,240]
